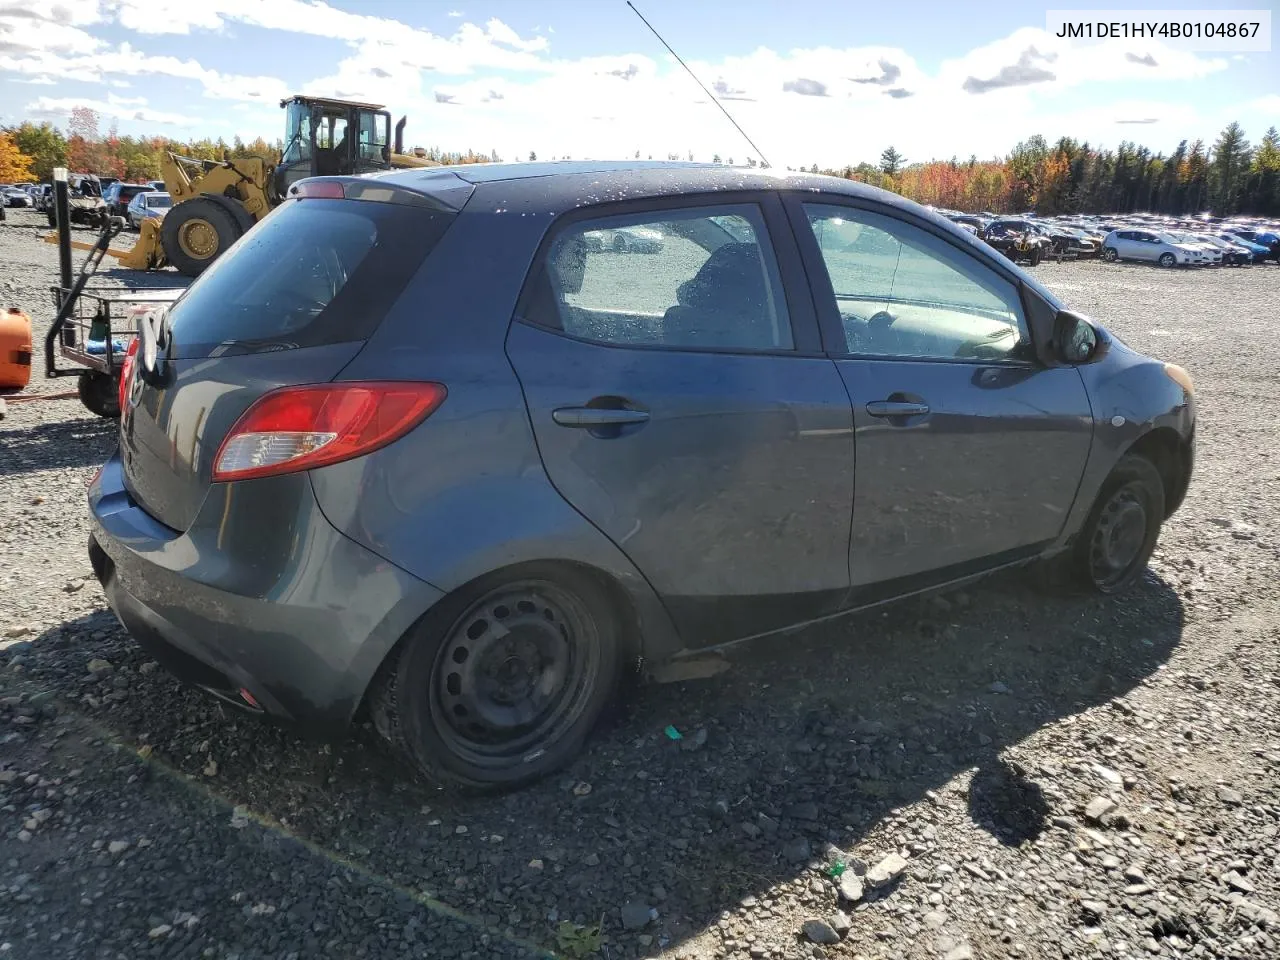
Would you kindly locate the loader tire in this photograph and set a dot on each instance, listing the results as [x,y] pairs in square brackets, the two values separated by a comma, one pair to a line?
[195,233]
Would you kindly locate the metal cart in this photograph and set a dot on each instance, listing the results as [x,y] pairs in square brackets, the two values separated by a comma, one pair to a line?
[95,325]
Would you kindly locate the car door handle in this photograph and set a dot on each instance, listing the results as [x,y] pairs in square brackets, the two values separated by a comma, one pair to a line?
[598,416]
[897,408]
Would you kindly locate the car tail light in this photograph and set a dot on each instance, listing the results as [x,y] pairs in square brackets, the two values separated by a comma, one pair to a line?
[301,428]
[126,370]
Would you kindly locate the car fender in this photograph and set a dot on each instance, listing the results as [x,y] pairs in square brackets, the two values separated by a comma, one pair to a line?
[1131,397]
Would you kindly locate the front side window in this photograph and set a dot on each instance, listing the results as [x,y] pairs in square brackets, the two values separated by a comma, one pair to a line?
[902,292]
[698,277]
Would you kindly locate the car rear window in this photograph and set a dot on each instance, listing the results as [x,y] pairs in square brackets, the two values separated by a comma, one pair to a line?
[313,272]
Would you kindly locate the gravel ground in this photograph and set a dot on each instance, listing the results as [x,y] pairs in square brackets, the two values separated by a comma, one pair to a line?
[995,773]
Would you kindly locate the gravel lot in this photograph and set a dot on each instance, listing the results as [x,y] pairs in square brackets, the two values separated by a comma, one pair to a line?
[1018,774]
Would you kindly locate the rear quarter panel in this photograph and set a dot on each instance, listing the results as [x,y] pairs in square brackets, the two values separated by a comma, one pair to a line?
[466,493]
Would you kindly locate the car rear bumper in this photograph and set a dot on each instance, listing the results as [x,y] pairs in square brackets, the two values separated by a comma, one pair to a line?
[296,615]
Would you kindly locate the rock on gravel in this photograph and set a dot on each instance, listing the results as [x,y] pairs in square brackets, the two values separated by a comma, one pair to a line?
[887,871]
[819,931]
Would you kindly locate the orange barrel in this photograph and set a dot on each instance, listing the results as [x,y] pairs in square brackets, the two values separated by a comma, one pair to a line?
[15,349]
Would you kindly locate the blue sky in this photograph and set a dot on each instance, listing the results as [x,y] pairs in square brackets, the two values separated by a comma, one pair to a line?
[826,81]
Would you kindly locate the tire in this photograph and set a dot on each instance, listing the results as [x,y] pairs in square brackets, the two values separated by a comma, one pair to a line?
[100,393]
[1037,255]
[195,233]
[1116,541]
[1167,260]
[449,694]
[619,243]
[1110,255]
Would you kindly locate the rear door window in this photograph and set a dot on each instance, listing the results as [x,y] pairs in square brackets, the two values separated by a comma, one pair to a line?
[696,277]
[313,272]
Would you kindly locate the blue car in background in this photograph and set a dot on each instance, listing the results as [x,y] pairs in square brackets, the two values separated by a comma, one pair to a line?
[1265,238]
[1259,250]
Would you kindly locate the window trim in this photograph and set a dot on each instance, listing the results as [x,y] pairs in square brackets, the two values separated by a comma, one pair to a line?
[825,302]
[805,336]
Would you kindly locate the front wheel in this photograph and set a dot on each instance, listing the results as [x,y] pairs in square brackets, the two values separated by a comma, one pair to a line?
[1168,260]
[1037,254]
[1109,254]
[196,232]
[1121,530]
[501,685]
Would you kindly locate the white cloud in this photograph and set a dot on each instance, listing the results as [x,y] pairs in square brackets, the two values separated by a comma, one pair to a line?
[53,108]
[486,86]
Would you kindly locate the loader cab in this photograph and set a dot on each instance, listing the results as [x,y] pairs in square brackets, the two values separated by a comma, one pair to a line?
[332,138]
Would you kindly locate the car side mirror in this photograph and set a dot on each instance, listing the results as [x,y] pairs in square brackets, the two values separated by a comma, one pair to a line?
[1074,338]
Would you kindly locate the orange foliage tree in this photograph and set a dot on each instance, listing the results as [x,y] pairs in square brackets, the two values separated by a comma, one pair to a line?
[15,166]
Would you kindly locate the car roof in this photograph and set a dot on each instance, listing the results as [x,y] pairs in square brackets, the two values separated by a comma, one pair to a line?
[560,184]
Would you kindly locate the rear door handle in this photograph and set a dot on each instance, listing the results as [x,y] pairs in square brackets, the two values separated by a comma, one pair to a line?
[897,408]
[598,416]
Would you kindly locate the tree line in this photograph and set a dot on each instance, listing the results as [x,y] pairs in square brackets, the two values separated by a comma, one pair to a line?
[1232,176]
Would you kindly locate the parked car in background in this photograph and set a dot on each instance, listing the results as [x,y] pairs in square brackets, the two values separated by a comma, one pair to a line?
[1018,240]
[974,222]
[1233,255]
[1263,238]
[1210,255]
[118,196]
[630,457]
[152,205]
[15,197]
[1068,241]
[158,186]
[1258,251]
[626,240]
[1152,247]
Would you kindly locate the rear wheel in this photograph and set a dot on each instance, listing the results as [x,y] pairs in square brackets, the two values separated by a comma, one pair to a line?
[100,393]
[501,684]
[195,233]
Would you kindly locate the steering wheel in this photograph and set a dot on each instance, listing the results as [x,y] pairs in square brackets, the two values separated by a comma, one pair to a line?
[881,319]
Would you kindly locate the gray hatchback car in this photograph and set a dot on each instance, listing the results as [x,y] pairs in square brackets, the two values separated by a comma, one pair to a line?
[417,446]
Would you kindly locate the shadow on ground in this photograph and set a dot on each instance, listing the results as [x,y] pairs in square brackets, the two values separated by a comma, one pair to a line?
[55,445]
[811,739]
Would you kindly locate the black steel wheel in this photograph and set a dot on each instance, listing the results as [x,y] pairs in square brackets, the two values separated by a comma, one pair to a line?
[1122,528]
[501,685]
[100,393]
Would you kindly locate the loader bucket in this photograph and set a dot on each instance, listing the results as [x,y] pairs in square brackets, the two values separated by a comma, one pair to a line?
[147,252]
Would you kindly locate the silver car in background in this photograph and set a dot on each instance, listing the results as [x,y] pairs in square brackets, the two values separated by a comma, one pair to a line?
[1153,247]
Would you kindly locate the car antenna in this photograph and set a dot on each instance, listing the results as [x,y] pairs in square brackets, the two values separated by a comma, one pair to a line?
[760,152]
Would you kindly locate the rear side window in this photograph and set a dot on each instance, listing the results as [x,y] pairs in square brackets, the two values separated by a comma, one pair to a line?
[313,272]
[701,277]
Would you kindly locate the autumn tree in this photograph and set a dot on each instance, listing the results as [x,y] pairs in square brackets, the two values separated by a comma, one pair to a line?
[15,166]
[44,144]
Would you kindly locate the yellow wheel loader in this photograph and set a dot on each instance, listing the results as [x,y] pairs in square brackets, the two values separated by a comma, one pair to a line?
[216,202]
